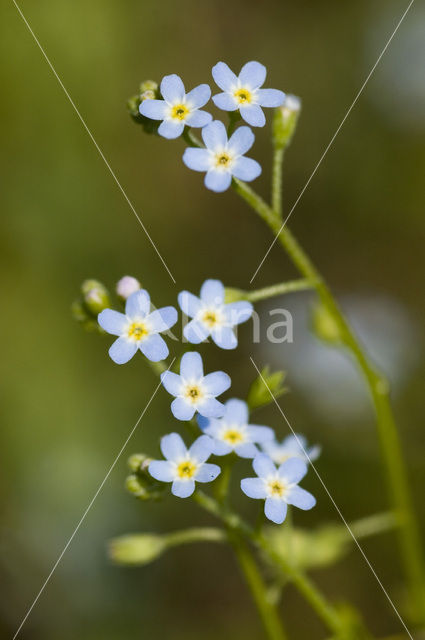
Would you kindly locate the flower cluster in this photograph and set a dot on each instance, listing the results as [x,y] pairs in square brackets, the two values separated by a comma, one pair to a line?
[222,157]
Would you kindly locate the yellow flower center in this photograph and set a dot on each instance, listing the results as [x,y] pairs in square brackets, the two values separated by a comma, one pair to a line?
[243,96]
[222,160]
[179,112]
[276,488]
[194,393]
[233,436]
[186,469]
[137,331]
[210,318]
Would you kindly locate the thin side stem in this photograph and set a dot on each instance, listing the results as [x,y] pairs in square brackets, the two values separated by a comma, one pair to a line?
[395,470]
[278,154]
[278,289]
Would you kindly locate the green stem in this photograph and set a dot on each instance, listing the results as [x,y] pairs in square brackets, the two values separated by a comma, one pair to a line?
[324,610]
[278,154]
[266,609]
[396,475]
[277,290]
[195,534]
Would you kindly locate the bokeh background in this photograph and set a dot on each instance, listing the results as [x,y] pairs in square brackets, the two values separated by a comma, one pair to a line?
[67,408]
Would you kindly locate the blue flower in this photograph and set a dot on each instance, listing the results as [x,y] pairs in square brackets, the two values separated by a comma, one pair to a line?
[278,487]
[138,328]
[178,107]
[194,391]
[183,467]
[223,158]
[211,316]
[244,93]
[233,433]
[293,446]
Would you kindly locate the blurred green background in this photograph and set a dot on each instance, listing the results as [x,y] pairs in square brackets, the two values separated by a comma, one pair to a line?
[67,408]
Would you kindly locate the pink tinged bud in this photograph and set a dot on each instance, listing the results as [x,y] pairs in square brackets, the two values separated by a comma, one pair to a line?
[126,286]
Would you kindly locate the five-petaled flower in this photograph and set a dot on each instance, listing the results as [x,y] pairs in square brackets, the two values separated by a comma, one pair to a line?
[223,158]
[243,92]
[211,316]
[138,328]
[193,391]
[233,433]
[293,446]
[178,108]
[278,487]
[183,467]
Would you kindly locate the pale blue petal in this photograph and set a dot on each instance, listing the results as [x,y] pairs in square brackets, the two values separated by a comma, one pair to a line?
[295,442]
[300,498]
[161,470]
[182,410]
[275,510]
[196,332]
[212,292]
[214,135]
[218,181]
[197,159]
[253,115]
[224,337]
[183,488]
[226,101]
[252,75]
[170,129]
[204,423]
[172,446]
[241,141]
[198,96]
[211,408]
[221,448]
[314,452]
[113,322]
[270,97]
[172,89]
[198,119]
[263,465]
[253,488]
[162,319]
[238,312]
[154,348]
[208,473]
[246,169]
[260,434]
[189,304]
[217,383]
[154,109]
[138,304]
[293,470]
[224,76]
[246,450]
[172,382]
[201,449]
[236,412]
[122,350]
[191,367]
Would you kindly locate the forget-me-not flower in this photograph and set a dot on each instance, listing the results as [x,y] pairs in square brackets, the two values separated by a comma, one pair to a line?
[223,158]
[293,446]
[278,487]
[193,391]
[138,328]
[183,467]
[233,433]
[211,316]
[243,92]
[178,108]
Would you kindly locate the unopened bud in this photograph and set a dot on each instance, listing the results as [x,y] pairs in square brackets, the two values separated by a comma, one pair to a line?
[285,121]
[266,388]
[126,286]
[95,296]
[324,325]
[137,549]
[150,85]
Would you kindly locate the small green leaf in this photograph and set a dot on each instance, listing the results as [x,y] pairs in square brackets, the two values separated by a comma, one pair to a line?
[265,387]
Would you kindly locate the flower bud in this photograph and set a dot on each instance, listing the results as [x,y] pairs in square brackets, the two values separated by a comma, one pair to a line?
[126,286]
[267,386]
[324,325]
[285,121]
[148,90]
[95,296]
[137,549]
[150,85]
[81,314]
